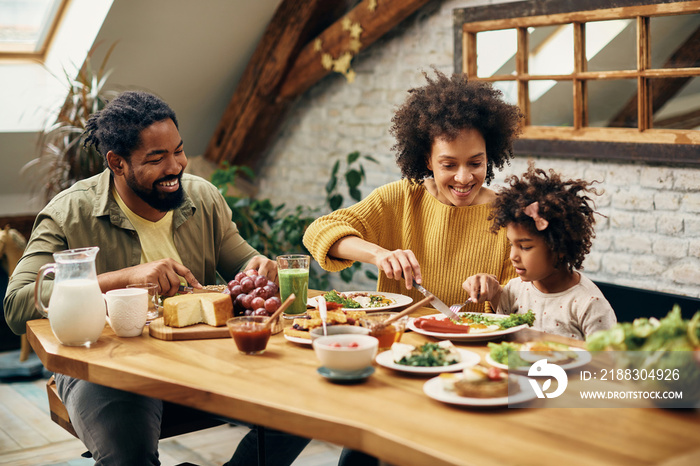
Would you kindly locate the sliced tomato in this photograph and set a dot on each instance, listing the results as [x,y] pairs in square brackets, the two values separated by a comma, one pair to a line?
[494,373]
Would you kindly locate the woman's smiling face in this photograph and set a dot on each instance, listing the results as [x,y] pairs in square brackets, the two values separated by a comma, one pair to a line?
[459,167]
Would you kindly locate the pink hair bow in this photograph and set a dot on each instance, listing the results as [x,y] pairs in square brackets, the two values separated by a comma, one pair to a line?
[533,210]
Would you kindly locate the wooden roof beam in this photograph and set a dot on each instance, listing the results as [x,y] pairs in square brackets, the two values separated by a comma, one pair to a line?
[287,62]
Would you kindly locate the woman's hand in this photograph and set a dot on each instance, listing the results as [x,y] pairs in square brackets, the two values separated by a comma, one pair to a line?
[400,264]
[483,287]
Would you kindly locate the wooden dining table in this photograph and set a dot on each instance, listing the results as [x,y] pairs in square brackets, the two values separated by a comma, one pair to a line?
[388,415]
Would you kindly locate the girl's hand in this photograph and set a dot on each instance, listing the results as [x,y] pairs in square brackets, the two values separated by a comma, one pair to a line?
[400,264]
[483,287]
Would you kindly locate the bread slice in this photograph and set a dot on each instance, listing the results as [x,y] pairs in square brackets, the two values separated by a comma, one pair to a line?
[291,332]
[332,317]
[188,309]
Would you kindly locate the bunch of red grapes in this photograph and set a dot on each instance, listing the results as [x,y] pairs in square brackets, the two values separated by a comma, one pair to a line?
[253,294]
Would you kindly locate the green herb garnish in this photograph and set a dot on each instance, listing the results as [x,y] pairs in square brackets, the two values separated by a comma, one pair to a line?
[512,320]
[428,355]
[501,351]
[333,297]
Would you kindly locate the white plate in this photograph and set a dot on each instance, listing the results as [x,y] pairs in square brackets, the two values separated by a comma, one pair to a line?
[466,336]
[435,390]
[301,341]
[399,301]
[584,357]
[469,359]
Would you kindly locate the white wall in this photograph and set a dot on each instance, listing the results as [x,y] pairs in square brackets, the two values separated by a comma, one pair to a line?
[31,91]
[650,239]
[191,53]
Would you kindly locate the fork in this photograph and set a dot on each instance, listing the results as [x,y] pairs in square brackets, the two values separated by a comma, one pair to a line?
[456,308]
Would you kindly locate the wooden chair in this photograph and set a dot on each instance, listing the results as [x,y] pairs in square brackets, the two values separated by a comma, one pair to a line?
[175,422]
[12,245]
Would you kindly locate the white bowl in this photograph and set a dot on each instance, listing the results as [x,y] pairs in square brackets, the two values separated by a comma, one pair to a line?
[335,354]
[338,330]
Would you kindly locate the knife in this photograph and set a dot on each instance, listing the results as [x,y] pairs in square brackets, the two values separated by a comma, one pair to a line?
[436,303]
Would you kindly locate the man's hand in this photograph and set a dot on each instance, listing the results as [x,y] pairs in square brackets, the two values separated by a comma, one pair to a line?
[483,287]
[400,264]
[264,266]
[165,273]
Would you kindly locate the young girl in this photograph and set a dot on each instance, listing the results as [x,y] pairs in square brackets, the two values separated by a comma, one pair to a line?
[549,224]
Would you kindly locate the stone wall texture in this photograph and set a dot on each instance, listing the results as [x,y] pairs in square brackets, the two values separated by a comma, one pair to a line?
[649,237]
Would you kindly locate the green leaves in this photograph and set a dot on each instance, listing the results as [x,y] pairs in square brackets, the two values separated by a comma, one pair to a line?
[274,230]
[354,176]
[61,160]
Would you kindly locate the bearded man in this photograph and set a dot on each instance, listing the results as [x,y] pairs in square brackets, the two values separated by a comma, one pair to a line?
[152,223]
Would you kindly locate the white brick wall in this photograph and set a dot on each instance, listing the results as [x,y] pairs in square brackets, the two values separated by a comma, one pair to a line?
[650,238]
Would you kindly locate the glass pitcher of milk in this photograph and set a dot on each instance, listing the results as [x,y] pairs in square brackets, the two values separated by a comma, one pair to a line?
[77,311]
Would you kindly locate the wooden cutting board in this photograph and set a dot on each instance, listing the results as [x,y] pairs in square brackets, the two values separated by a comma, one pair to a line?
[157,329]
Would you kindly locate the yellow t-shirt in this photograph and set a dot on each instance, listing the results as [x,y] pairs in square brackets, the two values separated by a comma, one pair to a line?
[156,238]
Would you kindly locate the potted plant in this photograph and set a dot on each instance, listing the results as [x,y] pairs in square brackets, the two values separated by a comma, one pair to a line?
[273,229]
[61,159]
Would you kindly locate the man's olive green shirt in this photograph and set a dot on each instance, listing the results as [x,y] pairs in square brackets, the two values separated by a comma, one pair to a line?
[87,215]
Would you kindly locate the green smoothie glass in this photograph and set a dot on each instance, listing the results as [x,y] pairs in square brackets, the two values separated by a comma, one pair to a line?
[293,272]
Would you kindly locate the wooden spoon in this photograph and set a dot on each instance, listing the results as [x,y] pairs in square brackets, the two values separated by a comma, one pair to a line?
[290,299]
[422,303]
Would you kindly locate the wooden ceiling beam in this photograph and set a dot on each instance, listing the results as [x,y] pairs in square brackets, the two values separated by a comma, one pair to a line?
[288,61]
[337,40]
[291,27]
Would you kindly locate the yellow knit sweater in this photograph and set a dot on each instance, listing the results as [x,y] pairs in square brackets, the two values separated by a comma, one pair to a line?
[450,243]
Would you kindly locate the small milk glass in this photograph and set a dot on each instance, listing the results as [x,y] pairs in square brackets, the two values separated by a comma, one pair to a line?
[154,306]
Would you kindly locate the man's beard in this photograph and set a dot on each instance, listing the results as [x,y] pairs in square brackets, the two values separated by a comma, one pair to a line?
[163,202]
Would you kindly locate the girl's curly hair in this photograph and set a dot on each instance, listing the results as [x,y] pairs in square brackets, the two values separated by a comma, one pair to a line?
[565,204]
[444,107]
[118,126]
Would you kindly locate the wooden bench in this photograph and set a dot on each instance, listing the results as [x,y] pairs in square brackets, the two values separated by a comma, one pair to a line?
[175,422]
[630,303]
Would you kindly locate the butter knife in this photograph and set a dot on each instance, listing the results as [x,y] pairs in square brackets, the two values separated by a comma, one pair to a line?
[436,303]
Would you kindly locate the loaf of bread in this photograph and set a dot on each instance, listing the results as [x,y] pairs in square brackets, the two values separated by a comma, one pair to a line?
[188,309]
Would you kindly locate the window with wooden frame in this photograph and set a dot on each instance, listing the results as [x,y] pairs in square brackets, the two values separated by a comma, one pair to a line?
[593,81]
[28,26]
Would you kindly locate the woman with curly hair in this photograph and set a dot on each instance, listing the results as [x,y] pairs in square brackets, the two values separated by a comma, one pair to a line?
[432,225]
[549,224]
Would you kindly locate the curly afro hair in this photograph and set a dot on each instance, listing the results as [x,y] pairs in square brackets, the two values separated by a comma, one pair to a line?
[444,107]
[565,204]
[118,126]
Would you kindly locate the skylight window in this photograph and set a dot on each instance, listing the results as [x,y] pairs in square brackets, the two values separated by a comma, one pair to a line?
[26,26]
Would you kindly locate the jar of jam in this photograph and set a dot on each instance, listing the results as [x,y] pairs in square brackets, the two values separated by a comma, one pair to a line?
[250,333]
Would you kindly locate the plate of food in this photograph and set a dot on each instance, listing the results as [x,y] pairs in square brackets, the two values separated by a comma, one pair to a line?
[368,301]
[479,386]
[472,326]
[300,330]
[429,358]
[522,355]
[299,340]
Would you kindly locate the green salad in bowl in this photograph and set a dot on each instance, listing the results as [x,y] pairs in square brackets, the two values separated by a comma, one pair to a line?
[667,349]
